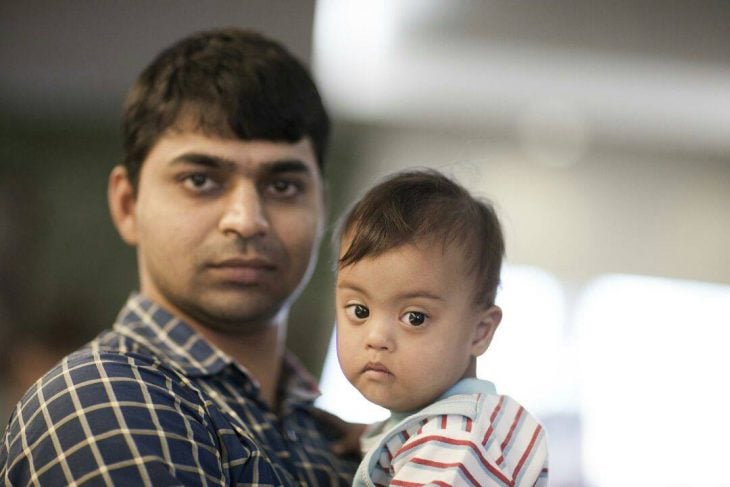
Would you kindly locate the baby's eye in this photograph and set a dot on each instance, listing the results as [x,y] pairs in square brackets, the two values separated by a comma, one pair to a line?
[416,318]
[359,311]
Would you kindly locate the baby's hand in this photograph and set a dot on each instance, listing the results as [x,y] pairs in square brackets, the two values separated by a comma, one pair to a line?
[348,434]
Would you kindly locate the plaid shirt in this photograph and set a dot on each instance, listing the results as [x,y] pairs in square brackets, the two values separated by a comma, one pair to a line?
[150,402]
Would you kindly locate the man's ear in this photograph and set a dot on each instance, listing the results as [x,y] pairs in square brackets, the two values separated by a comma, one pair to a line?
[489,320]
[122,201]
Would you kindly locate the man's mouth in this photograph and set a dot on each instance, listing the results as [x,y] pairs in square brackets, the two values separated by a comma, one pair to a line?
[243,270]
[248,262]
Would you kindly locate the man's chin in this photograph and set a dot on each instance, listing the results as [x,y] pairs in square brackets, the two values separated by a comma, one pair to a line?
[231,312]
[238,319]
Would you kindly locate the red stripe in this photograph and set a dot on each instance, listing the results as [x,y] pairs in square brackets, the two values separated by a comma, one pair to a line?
[459,465]
[512,428]
[420,430]
[490,430]
[496,410]
[452,441]
[527,452]
[414,484]
[443,422]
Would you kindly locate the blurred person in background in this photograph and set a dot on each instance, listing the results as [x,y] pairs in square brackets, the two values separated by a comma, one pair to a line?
[27,352]
[35,331]
[222,195]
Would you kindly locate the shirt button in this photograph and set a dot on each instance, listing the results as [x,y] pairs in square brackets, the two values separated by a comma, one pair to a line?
[292,435]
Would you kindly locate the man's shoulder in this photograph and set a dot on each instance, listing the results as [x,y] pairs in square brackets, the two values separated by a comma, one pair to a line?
[122,372]
[110,407]
[96,379]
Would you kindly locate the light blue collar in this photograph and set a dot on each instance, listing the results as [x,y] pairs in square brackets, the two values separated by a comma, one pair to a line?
[470,386]
[464,386]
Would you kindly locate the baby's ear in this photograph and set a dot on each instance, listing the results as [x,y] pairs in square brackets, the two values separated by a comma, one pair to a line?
[489,320]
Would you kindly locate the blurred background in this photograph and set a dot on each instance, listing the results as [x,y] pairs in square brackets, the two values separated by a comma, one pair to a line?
[601,131]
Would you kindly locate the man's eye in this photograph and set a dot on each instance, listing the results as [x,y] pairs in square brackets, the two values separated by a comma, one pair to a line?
[283,187]
[416,318]
[199,182]
[359,311]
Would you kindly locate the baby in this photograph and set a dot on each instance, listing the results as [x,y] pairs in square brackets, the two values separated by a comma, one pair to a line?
[417,274]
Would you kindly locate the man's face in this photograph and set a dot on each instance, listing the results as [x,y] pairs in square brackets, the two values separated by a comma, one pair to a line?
[407,324]
[226,230]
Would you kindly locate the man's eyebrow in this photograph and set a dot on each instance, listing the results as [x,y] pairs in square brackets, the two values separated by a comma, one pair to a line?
[286,165]
[214,162]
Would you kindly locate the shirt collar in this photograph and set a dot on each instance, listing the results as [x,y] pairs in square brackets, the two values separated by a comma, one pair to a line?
[297,384]
[170,338]
[464,386]
[471,385]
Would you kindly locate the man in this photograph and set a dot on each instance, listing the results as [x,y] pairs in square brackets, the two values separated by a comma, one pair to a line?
[221,193]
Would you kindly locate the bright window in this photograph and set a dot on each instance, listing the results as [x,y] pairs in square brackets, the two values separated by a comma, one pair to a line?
[654,397]
[528,358]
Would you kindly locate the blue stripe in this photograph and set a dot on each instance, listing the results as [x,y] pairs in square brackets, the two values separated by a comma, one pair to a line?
[529,459]
[515,434]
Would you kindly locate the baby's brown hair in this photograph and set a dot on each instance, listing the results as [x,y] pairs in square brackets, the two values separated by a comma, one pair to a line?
[417,205]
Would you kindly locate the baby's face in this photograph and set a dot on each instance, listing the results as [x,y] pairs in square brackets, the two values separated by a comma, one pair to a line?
[407,324]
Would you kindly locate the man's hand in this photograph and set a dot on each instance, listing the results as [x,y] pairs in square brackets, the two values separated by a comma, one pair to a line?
[348,434]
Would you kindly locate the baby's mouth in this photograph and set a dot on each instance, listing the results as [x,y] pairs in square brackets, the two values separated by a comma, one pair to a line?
[376,367]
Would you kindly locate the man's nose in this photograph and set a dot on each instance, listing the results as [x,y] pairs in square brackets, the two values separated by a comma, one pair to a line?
[245,213]
[379,335]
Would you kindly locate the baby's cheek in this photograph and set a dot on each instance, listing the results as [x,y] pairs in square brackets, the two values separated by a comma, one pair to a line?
[344,354]
[433,374]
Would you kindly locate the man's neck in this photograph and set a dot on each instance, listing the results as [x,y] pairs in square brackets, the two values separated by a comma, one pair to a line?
[261,353]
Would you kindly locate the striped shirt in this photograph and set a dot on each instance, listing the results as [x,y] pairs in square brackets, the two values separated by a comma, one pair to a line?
[150,402]
[469,437]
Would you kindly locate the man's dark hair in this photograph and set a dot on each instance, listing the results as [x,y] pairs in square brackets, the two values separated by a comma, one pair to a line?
[425,205]
[229,83]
